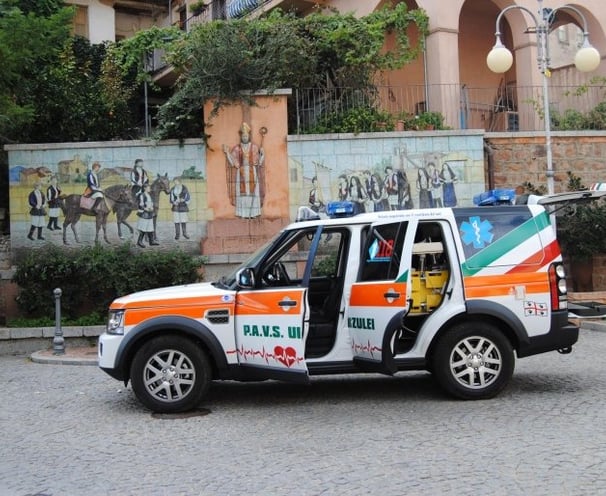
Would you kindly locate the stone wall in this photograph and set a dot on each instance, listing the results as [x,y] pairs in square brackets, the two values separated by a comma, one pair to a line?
[519,157]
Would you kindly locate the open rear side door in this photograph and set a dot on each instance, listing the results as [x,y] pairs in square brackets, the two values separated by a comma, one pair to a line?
[380,298]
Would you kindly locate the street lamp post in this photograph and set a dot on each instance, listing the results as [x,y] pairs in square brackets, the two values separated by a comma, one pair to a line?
[500,59]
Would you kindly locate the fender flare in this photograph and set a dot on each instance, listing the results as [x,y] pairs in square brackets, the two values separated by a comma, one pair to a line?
[502,313]
[182,325]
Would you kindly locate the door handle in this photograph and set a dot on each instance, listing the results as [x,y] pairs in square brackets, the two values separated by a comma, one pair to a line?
[287,303]
[392,294]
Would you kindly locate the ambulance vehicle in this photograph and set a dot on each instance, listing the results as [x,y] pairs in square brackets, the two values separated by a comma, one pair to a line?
[459,292]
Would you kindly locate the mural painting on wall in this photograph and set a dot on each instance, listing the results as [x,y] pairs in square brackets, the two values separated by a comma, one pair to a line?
[59,198]
[245,173]
[427,181]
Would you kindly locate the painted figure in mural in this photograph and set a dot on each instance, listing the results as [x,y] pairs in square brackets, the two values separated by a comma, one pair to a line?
[449,178]
[391,188]
[316,202]
[246,175]
[53,195]
[404,194]
[423,186]
[145,223]
[342,188]
[138,178]
[357,195]
[367,182]
[435,185]
[179,199]
[36,201]
[378,195]
[93,188]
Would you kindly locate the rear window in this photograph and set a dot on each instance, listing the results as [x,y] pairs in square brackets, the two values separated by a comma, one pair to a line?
[381,255]
[488,234]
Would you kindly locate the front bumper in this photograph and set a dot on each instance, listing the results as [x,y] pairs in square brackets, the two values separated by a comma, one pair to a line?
[107,352]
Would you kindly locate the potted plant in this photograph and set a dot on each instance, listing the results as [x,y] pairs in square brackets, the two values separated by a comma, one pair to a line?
[430,120]
[197,8]
[582,234]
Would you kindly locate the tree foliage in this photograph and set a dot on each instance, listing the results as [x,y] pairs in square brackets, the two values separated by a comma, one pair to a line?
[32,37]
[54,87]
[226,60]
[51,89]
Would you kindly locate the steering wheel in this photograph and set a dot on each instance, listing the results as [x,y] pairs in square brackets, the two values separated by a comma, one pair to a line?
[277,275]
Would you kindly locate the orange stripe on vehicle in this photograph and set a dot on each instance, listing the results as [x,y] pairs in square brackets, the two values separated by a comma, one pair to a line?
[373,294]
[138,315]
[191,301]
[547,255]
[268,303]
[503,285]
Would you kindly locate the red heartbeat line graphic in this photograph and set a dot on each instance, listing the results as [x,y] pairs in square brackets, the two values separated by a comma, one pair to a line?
[368,348]
[286,356]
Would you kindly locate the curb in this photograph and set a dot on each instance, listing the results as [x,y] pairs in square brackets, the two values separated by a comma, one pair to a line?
[72,356]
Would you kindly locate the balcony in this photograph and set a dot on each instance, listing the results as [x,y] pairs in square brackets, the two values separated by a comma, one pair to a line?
[254,8]
[138,7]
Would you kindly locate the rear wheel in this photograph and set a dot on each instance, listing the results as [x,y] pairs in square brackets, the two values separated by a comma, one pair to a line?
[170,374]
[473,361]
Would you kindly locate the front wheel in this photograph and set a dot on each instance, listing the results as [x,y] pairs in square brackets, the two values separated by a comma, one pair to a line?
[170,374]
[473,361]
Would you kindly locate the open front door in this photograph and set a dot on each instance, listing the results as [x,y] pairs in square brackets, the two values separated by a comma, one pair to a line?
[272,316]
[379,299]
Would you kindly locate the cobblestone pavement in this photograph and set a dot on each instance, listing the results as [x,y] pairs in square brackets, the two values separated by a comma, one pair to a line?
[72,430]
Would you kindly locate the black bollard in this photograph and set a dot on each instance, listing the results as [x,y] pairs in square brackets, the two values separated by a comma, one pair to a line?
[58,340]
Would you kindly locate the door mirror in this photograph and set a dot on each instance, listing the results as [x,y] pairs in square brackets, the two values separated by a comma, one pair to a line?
[246,278]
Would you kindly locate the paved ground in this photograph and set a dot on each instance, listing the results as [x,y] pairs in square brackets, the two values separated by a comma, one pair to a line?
[69,430]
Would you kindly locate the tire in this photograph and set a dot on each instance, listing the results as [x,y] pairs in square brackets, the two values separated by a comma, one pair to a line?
[170,374]
[473,361]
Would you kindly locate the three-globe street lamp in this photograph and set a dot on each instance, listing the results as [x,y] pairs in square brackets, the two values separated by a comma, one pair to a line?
[500,59]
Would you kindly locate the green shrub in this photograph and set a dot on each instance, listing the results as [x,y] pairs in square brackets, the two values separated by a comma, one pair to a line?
[91,277]
[363,119]
[582,231]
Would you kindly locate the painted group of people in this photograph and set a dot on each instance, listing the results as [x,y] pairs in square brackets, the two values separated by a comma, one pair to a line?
[372,193]
[436,187]
[38,203]
[179,198]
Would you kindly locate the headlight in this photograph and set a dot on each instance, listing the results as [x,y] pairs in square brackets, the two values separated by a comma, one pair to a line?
[115,322]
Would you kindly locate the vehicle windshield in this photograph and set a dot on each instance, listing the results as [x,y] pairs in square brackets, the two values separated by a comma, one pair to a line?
[229,281]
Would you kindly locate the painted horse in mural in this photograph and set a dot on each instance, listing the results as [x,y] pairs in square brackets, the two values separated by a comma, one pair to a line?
[73,208]
[160,184]
[124,209]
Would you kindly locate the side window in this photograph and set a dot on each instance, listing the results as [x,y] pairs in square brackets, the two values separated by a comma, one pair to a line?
[381,255]
[326,261]
[287,266]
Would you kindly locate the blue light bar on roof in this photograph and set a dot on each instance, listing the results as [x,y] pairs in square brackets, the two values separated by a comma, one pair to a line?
[340,209]
[495,197]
